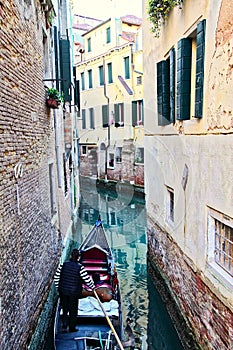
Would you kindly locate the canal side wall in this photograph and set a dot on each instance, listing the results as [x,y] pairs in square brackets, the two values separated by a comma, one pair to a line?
[201,318]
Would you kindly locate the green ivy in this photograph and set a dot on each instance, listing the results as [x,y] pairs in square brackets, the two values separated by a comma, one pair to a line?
[158,11]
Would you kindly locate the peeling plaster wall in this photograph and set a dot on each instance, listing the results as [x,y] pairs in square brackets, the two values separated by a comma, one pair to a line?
[205,146]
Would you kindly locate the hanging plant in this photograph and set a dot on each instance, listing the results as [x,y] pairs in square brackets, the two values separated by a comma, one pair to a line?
[54,99]
[158,11]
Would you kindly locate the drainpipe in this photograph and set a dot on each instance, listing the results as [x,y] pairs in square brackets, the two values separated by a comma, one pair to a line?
[108,144]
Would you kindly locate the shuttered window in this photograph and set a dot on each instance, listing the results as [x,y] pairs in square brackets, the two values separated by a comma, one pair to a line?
[89,44]
[90,84]
[163,92]
[184,55]
[119,114]
[65,68]
[82,81]
[200,69]
[108,35]
[91,116]
[126,65]
[137,113]
[172,84]
[110,80]
[101,75]
[105,116]
[84,119]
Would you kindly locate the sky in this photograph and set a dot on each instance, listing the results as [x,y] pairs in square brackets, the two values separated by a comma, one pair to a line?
[104,9]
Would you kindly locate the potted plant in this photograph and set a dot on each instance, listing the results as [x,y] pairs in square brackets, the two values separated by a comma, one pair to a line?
[54,99]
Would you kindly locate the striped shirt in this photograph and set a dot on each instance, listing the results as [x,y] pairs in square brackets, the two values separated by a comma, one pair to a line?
[83,274]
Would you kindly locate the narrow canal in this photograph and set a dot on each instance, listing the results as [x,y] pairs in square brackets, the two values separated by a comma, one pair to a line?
[123,213]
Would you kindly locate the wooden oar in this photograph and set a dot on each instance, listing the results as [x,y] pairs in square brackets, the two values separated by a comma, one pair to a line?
[109,322]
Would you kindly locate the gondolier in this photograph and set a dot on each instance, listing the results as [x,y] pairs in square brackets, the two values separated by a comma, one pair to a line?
[68,280]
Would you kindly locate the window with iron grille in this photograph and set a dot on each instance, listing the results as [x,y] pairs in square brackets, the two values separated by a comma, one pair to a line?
[224,246]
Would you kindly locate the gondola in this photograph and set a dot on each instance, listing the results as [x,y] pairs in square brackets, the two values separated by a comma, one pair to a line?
[99,319]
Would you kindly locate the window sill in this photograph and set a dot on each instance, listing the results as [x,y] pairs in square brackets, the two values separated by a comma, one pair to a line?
[220,275]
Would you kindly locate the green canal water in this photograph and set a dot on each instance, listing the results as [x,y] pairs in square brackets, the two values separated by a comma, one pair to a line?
[123,213]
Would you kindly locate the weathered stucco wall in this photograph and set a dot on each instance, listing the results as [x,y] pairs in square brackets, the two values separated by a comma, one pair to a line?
[203,147]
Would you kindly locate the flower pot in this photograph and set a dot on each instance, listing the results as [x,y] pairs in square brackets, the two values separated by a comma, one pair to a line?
[51,103]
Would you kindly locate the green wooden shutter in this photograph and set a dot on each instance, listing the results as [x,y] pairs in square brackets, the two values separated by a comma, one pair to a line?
[184,56]
[76,89]
[65,68]
[90,85]
[101,75]
[56,56]
[172,85]
[110,73]
[142,112]
[127,73]
[200,68]
[83,119]
[108,35]
[163,92]
[105,116]
[134,113]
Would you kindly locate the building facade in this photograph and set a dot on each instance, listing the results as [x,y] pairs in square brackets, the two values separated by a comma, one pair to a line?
[111,102]
[188,161]
[37,160]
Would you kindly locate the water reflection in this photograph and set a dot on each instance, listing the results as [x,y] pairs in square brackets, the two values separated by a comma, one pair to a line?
[124,218]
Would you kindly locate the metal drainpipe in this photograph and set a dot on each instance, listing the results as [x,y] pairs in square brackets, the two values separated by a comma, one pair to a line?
[108,144]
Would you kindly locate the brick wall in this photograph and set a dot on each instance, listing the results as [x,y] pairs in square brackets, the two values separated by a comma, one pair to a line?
[28,241]
[205,314]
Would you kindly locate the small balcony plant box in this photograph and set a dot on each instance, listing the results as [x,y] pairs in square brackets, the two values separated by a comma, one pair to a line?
[54,99]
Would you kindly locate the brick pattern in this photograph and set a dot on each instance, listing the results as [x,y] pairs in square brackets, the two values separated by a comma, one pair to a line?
[28,241]
[209,319]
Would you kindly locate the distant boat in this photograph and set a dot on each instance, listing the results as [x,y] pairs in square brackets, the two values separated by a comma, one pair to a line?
[99,319]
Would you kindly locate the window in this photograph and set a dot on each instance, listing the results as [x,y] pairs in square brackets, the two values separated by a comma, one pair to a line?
[101,75]
[119,154]
[89,45]
[105,116]
[84,150]
[126,65]
[91,116]
[90,85]
[111,160]
[82,81]
[139,80]
[84,119]
[137,113]
[139,155]
[119,114]
[111,219]
[189,79]
[220,238]
[166,90]
[170,205]
[108,35]
[110,80]
[52,190]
